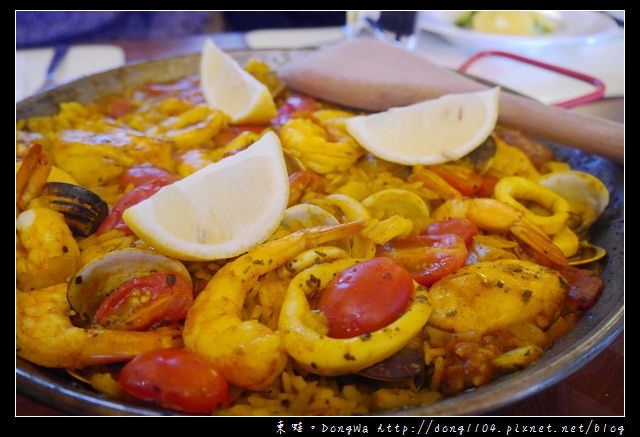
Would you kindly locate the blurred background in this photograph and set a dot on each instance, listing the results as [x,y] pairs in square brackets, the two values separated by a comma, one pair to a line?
[41,28]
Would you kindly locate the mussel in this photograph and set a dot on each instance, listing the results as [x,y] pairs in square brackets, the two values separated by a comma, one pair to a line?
[83,210]
[405,365]
[90,286]
[587,253]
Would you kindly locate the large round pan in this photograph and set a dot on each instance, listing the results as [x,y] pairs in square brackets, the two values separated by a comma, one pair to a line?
[595,331]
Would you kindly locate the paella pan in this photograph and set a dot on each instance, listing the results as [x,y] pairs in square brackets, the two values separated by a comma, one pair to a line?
[596,327]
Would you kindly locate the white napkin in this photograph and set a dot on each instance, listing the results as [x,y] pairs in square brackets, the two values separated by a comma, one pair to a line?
[292,38]
[81,60]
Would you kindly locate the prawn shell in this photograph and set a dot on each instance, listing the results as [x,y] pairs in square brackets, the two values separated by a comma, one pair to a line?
[90,286]
[83,210]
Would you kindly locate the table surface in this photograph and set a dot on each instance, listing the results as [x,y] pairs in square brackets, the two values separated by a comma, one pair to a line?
[596,389]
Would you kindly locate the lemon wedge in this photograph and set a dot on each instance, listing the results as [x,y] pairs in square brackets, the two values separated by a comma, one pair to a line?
[229,88]
[221,210]
[429,132]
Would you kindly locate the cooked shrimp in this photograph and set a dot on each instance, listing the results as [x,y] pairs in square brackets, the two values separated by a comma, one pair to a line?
[32,175]
[495,216]
[46,336]
[487,296]
[193,127]
[318,148]
[46,252]
[249,354]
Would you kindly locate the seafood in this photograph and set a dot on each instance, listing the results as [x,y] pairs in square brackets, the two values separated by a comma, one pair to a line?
[492,295]
[46,336]
[317,148]
[46,253]
[324,355]
[248,354]
[32,175]
[495,216]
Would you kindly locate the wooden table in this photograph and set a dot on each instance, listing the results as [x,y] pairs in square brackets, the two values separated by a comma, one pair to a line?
[597,389]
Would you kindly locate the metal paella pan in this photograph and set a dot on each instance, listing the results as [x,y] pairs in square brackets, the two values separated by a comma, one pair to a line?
[598,327]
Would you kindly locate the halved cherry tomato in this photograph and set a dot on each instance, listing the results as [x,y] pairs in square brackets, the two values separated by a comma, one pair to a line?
[231,132]
[585,285]
[292,105]
[117,107]
[427,257]
[143,174]
[175,378]
[462,227]
[460,177]
[141,303]
[366,297]
[114,219]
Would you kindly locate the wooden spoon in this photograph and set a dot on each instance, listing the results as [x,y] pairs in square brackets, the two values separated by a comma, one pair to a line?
[373,75]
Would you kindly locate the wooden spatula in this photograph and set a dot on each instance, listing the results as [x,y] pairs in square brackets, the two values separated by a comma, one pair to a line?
[373,75]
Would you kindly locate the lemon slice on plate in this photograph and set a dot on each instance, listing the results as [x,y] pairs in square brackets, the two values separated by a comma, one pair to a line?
[231,89]
[429,132]
[221,210]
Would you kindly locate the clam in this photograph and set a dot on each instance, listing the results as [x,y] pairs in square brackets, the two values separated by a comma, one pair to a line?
[307,215]
[587,195]
[587,253]
[89,287]
[83,210]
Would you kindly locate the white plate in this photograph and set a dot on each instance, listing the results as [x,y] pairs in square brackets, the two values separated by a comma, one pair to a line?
[571,27]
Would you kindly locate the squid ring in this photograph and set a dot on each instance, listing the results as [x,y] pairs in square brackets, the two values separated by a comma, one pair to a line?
[328,356]
[510,188]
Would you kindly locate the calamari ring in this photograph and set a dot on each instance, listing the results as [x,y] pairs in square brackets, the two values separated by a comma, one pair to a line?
[328,356]
[510,188]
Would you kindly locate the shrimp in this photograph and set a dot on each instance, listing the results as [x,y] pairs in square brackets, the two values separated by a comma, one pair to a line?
[32,175]
[300,181]
[46,336]
[46,252]
[193,127]
[249,354]
[318,148]
[495,216]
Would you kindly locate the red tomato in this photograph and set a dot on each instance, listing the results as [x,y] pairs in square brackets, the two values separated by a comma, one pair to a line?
[427,257]
[143,174]
[488,186]
[231,132]
[114,219]
[462,227]
[585,285]
[292,105]
[175,378]
[460,177]
[141,303]
[366,297]
[117,107]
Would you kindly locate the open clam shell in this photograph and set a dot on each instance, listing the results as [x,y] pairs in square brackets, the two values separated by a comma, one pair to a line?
[587,195]
[95,281]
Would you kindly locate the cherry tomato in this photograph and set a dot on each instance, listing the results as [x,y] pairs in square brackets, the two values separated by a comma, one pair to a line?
[427,257]
[366,297]
[175,378]
[292,105]
[460,177]
[143,174]
[140,303]
[585,285]
[231,132]
[114,219]
[462,227]
[117,107]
